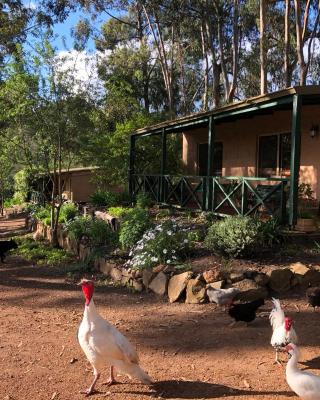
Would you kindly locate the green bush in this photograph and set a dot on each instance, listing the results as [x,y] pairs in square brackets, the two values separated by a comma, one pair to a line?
[98,231]
[271,233]
[118,212]
[41,253]
[43,214]
[135,222]
[68,212]
[167,243]
[143,200]
[104,198]
[234,236]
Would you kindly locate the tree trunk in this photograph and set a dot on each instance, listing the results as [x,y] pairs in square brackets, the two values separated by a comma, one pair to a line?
[287,72]
[301,61]
[215,66]
[145,73]
[222,59]
[235,51]
[205,97]
[263,68]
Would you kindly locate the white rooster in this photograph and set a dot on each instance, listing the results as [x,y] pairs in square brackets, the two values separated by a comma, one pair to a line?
[305,384]
[103,344]
[283,331]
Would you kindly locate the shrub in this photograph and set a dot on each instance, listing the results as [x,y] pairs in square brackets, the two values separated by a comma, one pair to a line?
[143,200]
[135,222]
[98,231]
[42,253]
[43,214]
[167,243]
[271,233]
[118,212]
[104,198]
[234,236]
[68,212]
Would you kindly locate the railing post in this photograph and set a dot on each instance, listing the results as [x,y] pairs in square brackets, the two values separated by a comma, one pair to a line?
[132,151]
[163,163]
[295,159]
[244,197]
[283,203]
[210,161]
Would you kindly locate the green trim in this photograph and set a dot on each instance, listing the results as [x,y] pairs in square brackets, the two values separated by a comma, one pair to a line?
[295,159]
[211,135]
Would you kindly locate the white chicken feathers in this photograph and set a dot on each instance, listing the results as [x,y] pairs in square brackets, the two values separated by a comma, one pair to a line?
[280,336]
[103,344]
[305,384]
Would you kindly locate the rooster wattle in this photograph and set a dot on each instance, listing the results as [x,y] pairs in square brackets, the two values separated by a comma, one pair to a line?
[283,331]
[305,384]
[103,344]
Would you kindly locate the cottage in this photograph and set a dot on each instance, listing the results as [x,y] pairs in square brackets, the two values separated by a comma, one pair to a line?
[245,158]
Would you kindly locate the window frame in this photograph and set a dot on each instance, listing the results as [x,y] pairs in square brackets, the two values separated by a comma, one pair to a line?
[279,170]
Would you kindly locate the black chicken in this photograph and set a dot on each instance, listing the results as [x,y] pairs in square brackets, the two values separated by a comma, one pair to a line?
[246,311]
[313,296]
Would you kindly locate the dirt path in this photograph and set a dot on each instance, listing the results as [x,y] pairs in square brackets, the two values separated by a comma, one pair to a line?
[188,349]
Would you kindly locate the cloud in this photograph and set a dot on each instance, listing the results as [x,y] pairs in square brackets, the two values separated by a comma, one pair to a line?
[80,70]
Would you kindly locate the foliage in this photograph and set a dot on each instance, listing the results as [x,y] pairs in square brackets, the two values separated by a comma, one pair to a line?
[135,222]
[234,236]
[118,212]
[68,212]
[305,191]
[167,243]
[41,253]
[43,214]
[104,198]
[239,236]
[143,200]
[21,186]
[98,231]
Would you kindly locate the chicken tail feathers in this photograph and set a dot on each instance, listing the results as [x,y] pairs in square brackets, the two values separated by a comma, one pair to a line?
[276,315]
[135,371]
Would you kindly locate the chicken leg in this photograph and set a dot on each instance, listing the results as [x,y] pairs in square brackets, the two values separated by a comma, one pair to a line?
[90,390]
[111,379]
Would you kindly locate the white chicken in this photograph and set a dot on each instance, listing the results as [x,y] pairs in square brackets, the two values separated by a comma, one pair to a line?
[283,331]
[103,344]
[305,384]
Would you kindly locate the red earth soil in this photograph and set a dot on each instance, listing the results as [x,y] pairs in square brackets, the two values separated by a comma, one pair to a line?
[189,350]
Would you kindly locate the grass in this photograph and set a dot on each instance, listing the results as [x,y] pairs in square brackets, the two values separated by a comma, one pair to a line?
[41,252]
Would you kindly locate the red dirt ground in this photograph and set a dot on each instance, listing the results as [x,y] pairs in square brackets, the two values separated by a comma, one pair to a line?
[189,350]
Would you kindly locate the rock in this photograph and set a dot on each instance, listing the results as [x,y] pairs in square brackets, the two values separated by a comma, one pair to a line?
[136,285]
[250,290]
[211,275]
[159,268]
[105,266]
[261,279]
[299,269]
[280,280]
[147,275]
[215,285]
[196,292]
[312,277]
[159,284]
[236,277]
[177,285]
[116,274]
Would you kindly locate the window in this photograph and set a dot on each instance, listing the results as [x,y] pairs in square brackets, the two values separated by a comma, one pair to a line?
[203,159]
[274,155]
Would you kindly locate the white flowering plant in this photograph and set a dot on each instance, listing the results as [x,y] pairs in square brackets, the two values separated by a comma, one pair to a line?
[167,243]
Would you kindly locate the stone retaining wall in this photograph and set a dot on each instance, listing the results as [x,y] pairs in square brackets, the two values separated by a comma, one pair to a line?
[165,281]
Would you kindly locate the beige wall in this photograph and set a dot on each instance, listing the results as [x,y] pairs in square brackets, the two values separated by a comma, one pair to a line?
[240,139]
[78,185]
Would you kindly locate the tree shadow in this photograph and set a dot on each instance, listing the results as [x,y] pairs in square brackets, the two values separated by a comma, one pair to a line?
[202,390]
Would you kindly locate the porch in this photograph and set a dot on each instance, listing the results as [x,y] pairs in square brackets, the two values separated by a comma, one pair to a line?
[258,141]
